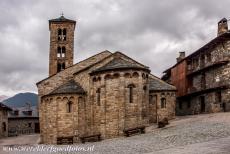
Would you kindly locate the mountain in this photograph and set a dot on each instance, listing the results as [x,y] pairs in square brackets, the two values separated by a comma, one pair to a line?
[3,97]
[19,100]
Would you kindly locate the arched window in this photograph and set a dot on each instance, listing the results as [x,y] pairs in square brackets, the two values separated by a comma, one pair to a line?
[163,102]
[69,107]
[131,86]
[64,34]
[152,99]
[3,126]
[107,77]
[59,34]
[135,74]
[59,52]
[63,52]
[98,96]
[127,75]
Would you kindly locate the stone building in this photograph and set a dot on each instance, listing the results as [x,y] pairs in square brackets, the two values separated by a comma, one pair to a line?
[23,120]
[202,78]
[4,120]
[105,93]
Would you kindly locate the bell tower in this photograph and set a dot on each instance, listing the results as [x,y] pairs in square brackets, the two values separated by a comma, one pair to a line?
[61,44]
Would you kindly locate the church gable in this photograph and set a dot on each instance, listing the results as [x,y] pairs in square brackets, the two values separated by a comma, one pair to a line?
[49,84]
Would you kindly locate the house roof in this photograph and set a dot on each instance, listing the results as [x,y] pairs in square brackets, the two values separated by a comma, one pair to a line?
[119,63]
[4,107]
[156,84]
[23,112]
[71,87]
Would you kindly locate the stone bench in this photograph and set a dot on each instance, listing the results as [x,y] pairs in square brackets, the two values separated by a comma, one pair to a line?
[90,138]
[135,130]
[65,140]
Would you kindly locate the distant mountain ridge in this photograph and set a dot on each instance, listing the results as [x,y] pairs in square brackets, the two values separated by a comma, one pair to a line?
[3,97]
[20,100]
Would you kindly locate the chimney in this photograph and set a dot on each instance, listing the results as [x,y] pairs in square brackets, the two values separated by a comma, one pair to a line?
[181,56]
[222,26]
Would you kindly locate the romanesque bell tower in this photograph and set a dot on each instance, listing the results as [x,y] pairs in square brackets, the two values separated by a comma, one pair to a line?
[61,44]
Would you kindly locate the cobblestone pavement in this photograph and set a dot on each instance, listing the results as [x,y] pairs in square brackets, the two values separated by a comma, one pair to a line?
[198,134]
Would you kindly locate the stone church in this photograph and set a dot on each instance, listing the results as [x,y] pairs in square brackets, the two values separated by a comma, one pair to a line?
[105,93]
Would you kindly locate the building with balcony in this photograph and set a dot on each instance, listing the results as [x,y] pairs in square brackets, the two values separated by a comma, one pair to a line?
[202,78]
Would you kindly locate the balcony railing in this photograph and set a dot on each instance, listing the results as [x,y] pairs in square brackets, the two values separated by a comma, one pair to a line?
[203,67]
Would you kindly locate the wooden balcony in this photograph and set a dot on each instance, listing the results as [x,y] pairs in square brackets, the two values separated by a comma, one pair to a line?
[204,68]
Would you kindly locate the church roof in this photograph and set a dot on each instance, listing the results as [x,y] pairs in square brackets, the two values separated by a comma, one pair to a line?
[61,19]
[159,85]
[71,87]
[119,63]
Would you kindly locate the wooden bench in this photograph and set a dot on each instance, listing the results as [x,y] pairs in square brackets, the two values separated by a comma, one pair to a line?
[90,138]
[65,140]
[129,131]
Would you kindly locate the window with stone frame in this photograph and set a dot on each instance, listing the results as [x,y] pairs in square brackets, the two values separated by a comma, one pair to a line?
[69,107]
[98,92]
[131,86]
[152,99]
[163,102]
[59,34]
[62,33]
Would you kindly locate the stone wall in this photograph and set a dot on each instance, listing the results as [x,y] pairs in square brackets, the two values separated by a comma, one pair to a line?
[3,123]
[23,125]
[157,109]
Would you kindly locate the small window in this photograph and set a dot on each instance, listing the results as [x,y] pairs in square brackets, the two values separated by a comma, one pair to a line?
[98,96]
[16,112]
[163,102]
[152,99]
[131,86]
[59,34]
[63,52]
[64,34]
[69,107]
[29,124]
[59,52]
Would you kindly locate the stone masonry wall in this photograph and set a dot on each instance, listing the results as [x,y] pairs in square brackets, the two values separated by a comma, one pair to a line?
[3,120]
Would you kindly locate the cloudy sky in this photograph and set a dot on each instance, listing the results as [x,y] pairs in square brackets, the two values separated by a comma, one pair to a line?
[150,31]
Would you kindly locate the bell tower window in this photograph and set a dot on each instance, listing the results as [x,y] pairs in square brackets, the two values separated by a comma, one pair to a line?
[61,52]
[64,34]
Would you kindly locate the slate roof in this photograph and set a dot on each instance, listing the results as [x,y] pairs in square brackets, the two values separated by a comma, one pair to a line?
[61,19]
[71,87]
[119,63]
[159,85]
[5,107]
[23,112]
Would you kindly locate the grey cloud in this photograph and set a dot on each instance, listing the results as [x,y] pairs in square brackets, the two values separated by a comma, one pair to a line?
[151,32]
